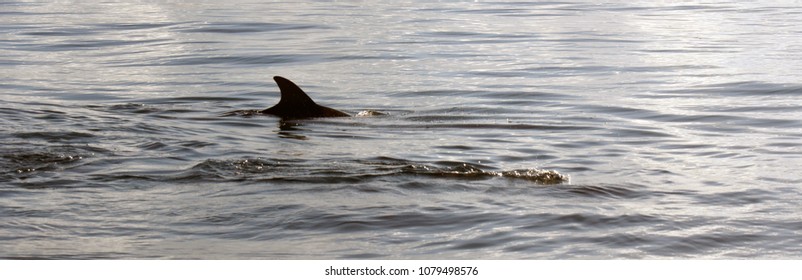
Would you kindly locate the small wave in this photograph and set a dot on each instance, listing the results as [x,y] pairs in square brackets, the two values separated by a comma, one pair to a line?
[698,243]
[256,59]
[257,169]
[547,177]
[53,135]
[370,113]
[26,162]
[30,162]
[470,171]
[590,220]
[134,108]
[747,88]
[248,27]
[225,170]
[235,167]
[736,198]
[605,191]
[136,26]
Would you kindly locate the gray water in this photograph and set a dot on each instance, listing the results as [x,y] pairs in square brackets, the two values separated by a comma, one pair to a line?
[677,124]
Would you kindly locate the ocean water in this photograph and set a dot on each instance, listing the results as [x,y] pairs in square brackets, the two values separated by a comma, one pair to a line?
[676,124]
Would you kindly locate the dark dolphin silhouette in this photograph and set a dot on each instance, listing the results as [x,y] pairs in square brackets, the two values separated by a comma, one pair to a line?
[295,104]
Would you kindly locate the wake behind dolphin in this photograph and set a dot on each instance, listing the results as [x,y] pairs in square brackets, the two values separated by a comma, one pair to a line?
[295,104]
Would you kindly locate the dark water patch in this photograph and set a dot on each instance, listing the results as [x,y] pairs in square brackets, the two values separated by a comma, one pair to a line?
[16,115]
[467,38]
[686,147]
[438,92]
[485,112]
[33,115]
[577,144]
[228,219]
[441,118]
[745,89]
[774,108]
[54,136]
[10,62]
[780,180]
[702,8]
[790,226]
[69,256]
[467,34]
[62,32]
[582,246]
[21,210]
[364,256]
[488,240]
[27,88]
[638,133]
[533,127]
[184,100]
[627,112]
[131,108]
[726,121]
[589,38]
[706,242]
[234,27]
[712,119]
[98,44]
[742,198]
[584,71]
[521,99]
[88,45]
[583,221]
[130,179]
[45,180]
[136,26]
[775,152]
[456,147]
[607,191]
[247,60]
[369,57]
[16,13]
[315,220]
[416,221]
[696,50]
[152,146]
[770,123]
[195,144]
[622,240]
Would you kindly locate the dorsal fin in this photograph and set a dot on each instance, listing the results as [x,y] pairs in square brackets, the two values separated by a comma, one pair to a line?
[292,94]
[296,104]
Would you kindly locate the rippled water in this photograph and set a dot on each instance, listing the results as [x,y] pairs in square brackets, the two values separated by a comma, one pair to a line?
[678,125]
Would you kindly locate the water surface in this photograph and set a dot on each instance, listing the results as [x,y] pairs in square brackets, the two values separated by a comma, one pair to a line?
[678,125]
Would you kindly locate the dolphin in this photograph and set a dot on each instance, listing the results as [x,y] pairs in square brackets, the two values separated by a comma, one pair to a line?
[295,104]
